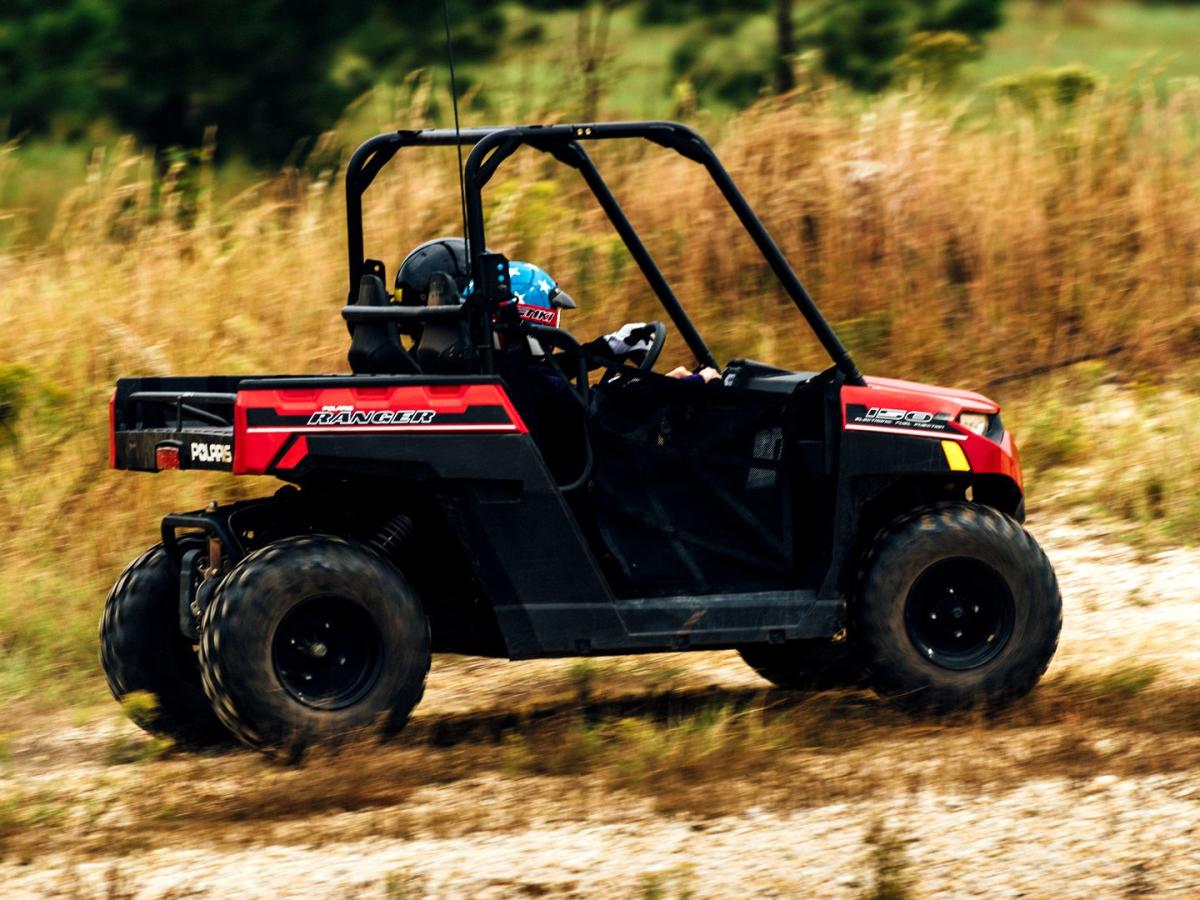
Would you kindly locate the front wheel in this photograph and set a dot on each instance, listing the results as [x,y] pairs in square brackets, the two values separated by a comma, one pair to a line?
[310,639]
[958,607]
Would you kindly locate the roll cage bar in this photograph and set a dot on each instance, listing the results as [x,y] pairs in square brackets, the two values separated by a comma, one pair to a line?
[492,146]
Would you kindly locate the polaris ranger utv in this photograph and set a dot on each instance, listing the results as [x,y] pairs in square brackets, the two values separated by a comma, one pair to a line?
[830,527]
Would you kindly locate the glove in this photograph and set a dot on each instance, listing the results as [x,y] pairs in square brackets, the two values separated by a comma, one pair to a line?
[631,341]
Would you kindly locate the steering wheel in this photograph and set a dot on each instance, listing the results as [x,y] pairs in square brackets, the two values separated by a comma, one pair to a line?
[657,340]
[616,352]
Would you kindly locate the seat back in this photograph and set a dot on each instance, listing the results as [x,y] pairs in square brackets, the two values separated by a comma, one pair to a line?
[443,348]
[375,347]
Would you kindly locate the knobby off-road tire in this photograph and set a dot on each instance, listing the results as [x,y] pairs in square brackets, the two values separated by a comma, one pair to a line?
[142,649]
[958,607]
[806,665]
[311,639]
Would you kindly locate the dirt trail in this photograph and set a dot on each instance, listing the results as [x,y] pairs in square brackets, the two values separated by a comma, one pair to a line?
[1056,804]
[1106,838]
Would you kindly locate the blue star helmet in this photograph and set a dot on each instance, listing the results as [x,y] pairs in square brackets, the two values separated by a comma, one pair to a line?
[539,298]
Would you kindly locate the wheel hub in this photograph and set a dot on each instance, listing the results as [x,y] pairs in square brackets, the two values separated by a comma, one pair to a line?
[959,613]
[327,652]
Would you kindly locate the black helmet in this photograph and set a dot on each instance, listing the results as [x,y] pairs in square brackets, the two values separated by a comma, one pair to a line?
[445,254]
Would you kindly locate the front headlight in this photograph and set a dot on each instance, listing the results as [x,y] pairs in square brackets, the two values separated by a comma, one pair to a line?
[974,421]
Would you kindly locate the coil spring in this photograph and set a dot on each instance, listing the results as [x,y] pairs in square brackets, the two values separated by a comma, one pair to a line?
[393,534]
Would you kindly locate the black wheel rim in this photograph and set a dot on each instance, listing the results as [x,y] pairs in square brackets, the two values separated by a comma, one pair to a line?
[959,613]
[327,652]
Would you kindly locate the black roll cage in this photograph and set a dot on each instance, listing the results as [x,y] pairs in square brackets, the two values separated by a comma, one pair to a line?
[492,146]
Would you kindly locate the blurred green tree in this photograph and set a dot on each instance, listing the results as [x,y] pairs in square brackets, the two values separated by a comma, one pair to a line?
[257,69]
[52,64]
[858,41]
[262,71]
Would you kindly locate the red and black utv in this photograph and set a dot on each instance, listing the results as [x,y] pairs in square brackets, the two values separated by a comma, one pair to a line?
[832,528]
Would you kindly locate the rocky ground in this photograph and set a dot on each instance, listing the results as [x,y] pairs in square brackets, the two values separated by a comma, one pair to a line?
[1092,790]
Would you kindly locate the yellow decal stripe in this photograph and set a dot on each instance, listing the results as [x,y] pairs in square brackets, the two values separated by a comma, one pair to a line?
[955,457]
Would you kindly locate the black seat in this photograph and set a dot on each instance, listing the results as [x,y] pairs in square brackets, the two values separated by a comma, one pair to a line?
[443,348]
[375,347]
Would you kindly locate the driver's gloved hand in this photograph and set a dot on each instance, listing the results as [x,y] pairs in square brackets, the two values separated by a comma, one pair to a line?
[632,341]
[704,376]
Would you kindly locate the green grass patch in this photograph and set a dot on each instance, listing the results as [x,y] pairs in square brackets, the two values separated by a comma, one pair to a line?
[1126,453]
[1112,39]
[1128,680]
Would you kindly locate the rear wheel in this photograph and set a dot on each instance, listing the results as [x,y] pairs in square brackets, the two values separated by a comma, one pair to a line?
[959,606]
[805,665]
[310,639]
[142,649]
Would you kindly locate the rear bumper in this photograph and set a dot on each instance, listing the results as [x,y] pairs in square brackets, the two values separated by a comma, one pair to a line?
[209,448]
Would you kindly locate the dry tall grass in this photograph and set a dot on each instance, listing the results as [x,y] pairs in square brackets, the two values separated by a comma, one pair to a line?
[962,248]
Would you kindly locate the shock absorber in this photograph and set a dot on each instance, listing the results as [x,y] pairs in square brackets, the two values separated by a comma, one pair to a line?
[392,535]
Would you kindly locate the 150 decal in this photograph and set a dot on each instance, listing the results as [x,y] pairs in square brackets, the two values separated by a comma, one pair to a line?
[898,419]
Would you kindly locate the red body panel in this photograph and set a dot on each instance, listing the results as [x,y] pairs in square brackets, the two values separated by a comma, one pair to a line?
[295,453]
[985,455]
[266,422]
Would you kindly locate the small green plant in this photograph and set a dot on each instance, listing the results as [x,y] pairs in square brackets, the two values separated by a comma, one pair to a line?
[1128,680]
[141,707]
[45,813]
[401,885]
[15,381]
[889,862]
[674,883]
[1137,598]
[1064,86]
[124,750]
[1149,469]
[22,391]
[11,822]
[653,887]
[116,884]
[569,749]
[1056,435]
[582,676]
[663,677]
[936,58]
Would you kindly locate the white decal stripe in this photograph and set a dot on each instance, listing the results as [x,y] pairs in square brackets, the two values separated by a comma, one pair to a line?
[938,435]
[324,429]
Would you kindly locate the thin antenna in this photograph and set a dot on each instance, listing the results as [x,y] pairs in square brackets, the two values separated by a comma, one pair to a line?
[462,187]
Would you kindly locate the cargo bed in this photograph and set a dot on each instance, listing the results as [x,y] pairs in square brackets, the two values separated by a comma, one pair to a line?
[173,423]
